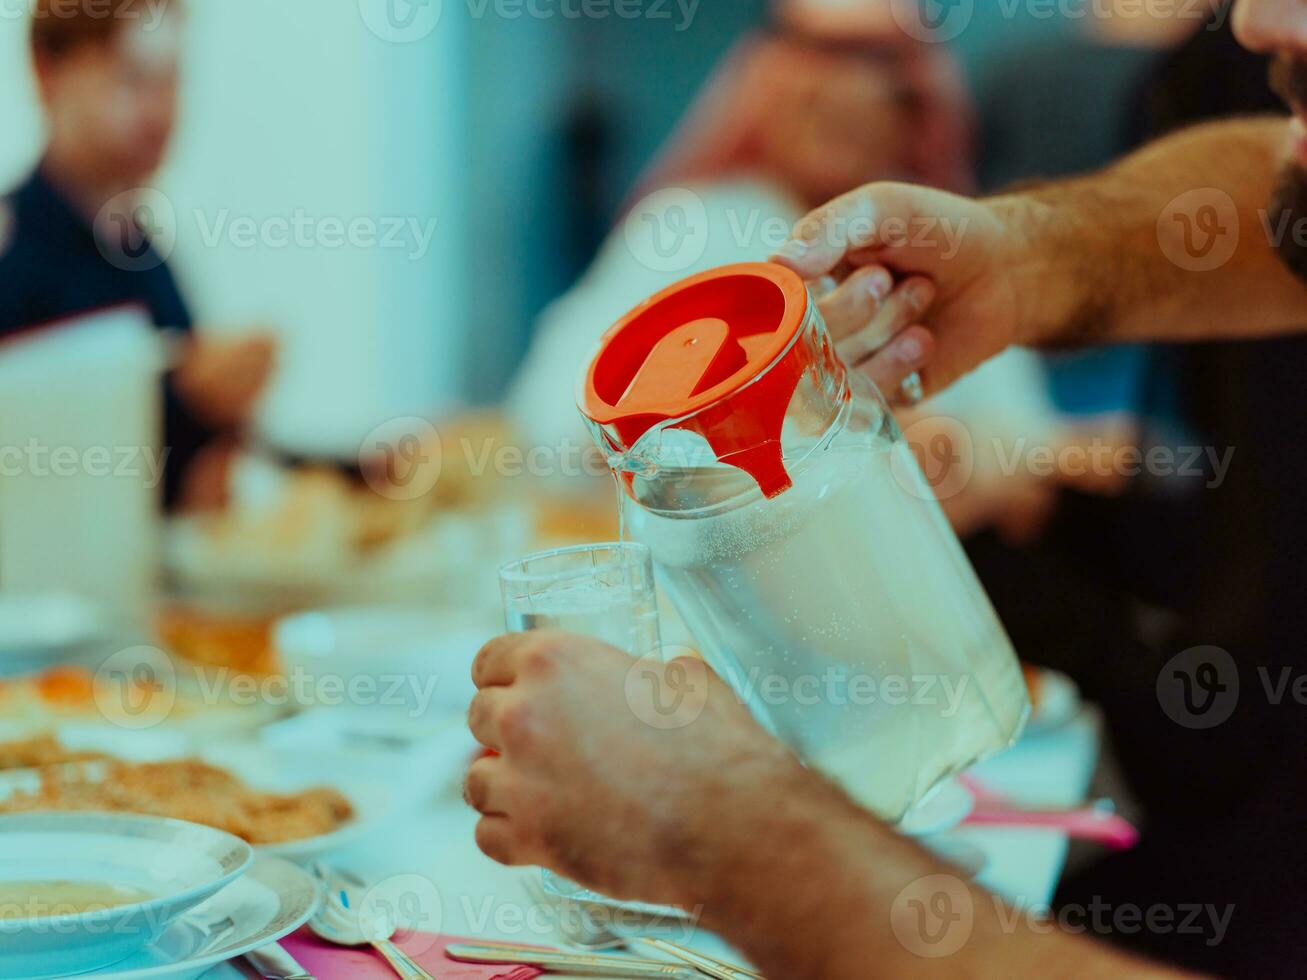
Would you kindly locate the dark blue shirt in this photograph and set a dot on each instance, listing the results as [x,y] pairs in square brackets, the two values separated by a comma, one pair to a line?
[54,266]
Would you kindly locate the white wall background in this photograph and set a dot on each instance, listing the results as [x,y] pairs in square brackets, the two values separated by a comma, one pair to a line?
[295,108]
[19,127]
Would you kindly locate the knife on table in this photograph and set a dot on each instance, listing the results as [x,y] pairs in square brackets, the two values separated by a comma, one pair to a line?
[274,963]
[604,965]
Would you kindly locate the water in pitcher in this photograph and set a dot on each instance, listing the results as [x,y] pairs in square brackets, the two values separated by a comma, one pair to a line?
[846,613]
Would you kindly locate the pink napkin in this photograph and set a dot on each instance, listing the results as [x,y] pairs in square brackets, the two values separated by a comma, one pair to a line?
[327,962]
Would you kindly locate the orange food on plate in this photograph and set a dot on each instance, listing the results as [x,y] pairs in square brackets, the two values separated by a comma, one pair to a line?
[241,643]
[66,685]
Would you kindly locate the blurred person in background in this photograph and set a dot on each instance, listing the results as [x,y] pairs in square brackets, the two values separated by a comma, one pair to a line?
[1068,104]
[76,237]
[1065,105]
[1204,558]
[761,144]
[767,139]
[1222,561]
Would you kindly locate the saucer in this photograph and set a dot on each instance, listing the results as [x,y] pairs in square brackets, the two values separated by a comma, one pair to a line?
[268,902]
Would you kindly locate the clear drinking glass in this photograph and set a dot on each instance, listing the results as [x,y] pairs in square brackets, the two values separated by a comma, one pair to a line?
[601,590]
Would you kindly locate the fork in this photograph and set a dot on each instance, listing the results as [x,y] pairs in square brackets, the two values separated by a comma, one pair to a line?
[591,935]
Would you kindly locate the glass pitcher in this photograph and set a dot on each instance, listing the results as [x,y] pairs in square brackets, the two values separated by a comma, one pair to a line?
[796,535]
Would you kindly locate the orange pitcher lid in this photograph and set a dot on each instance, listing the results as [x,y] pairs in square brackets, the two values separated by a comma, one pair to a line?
[716,351]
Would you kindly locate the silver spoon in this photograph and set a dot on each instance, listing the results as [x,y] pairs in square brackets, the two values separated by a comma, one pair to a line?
[340,926]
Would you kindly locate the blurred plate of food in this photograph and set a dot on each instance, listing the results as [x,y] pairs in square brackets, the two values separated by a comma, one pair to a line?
[38,631]
[290,804]
[239,642]
[131,691]
[302,536]
[1054,698]
[408,660]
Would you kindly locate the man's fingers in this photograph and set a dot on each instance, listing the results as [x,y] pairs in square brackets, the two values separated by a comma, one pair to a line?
[906,354]
[820,240]
[495,664]
[483,717]
[849,224]
[851,305]
[904,307]
[500,841]
[483,788]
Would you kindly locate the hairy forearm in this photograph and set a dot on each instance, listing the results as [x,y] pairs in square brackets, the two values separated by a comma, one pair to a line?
[1145,249]
[813,887]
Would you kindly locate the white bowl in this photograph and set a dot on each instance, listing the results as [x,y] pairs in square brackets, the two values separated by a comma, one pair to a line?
[40,630]
[172,865]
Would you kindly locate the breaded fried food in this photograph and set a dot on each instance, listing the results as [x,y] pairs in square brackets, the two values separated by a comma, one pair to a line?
[40,751]
[192,790]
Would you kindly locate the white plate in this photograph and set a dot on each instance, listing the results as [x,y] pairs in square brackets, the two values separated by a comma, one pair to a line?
[38,631]
[268,902]
[178,864]
[282,771]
